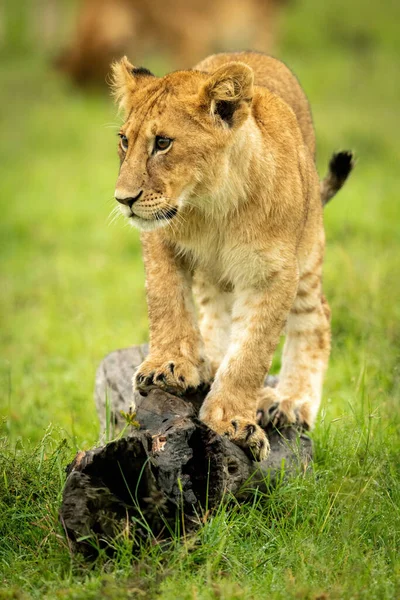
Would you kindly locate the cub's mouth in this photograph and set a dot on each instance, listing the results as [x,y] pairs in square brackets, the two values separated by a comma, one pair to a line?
[168,213]
[157,220]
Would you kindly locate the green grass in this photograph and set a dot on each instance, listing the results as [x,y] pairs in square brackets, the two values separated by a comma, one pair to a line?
[72,290]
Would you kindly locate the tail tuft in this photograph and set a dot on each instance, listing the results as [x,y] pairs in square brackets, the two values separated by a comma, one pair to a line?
[340,166]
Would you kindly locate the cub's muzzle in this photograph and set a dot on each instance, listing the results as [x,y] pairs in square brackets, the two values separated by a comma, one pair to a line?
[128,201]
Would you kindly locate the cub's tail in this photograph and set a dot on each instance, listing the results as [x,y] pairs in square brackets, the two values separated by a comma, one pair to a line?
[340,166]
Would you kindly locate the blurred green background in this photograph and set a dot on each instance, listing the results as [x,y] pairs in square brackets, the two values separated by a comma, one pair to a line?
[72,290]
[72,282]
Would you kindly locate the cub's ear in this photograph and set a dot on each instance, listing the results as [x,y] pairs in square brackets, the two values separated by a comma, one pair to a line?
[228,93]
[125,78]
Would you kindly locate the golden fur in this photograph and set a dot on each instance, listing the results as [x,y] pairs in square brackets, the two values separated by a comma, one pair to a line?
[232,208]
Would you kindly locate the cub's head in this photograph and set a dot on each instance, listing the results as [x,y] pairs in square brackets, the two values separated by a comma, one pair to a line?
[178,138]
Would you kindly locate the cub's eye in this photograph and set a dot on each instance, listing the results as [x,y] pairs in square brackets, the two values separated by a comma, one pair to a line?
[124,142]
[162,143]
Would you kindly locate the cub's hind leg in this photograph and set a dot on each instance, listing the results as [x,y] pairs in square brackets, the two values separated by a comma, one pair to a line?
[215,313]
[305,357]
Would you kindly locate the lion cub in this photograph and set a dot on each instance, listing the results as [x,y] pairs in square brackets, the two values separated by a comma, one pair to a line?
[218,172]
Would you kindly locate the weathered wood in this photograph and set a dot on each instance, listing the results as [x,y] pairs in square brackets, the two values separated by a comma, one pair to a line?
[173,465]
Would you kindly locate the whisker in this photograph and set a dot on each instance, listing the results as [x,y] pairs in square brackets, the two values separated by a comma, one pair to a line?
[112,125]
[177,220]
[114,215]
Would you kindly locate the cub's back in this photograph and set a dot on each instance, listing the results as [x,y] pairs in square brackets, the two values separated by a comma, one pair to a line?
[276,77]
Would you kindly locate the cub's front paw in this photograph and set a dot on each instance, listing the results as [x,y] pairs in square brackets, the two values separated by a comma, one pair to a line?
[279,415]
[175,375]
[284,412]
[244,432]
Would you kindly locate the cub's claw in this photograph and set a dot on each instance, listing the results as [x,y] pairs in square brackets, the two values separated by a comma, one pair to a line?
[248,435]
[282,414]
[244,433]
[145,381]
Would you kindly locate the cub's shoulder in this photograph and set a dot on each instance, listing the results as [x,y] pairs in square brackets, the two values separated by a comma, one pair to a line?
[273,75]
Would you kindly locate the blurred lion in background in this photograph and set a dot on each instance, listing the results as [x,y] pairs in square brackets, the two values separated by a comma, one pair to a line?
[182,31]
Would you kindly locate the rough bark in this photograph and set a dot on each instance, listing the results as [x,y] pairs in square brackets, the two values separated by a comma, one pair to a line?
[167,472]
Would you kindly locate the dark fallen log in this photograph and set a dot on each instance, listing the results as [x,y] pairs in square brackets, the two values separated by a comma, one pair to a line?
[165,468]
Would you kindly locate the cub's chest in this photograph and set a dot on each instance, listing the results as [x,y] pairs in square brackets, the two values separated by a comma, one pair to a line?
[225,261]
[204,251]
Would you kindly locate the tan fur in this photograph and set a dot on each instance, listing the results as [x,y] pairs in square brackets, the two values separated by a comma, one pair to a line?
[247,235]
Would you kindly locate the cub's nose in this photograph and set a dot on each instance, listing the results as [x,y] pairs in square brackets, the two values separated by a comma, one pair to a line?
[127,200]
